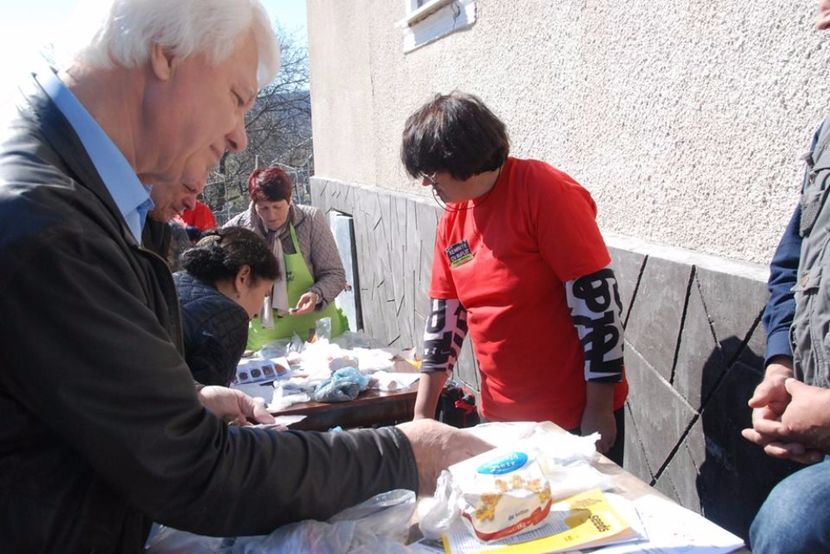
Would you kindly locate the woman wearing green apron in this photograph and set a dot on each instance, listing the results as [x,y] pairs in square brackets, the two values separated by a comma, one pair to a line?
[299,236]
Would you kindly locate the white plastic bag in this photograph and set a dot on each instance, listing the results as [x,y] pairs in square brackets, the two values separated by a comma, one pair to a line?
[380,524]
[437,517]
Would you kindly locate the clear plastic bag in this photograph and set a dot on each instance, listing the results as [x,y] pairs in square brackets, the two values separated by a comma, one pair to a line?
[437,517]
[322,328]
[380,524]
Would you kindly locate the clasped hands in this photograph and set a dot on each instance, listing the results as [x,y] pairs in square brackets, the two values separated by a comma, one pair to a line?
[790,420]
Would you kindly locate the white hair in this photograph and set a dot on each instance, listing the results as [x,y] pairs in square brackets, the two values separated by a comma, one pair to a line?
[127,29]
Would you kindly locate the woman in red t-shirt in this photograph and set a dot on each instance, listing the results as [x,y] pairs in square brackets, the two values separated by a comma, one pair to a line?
[520,263]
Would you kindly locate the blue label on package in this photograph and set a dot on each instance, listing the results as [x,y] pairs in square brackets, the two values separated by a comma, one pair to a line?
[505,464]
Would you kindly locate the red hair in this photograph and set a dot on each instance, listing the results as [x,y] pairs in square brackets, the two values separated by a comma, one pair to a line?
[269,184]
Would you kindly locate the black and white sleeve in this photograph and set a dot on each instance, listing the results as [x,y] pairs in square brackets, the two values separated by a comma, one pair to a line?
[444,335]
[594,302]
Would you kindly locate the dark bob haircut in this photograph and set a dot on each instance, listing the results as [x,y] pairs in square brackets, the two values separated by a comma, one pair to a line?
[270,184]
[454,132]
[221,253]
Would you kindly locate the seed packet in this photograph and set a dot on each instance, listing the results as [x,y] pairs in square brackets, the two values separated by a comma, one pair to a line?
[504,492]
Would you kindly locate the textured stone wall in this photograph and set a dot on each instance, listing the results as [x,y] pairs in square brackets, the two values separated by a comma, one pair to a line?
[694,346]
[685,119]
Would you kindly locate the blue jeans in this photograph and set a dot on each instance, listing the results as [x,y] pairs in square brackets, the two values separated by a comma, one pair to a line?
[795,517]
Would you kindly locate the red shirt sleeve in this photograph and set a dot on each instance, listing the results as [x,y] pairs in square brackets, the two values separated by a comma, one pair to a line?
[565,218]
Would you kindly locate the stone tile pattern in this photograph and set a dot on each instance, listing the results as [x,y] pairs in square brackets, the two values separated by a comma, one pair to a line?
[694,350]
[694,354]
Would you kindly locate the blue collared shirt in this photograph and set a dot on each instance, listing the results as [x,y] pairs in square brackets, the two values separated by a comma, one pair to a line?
[131,197]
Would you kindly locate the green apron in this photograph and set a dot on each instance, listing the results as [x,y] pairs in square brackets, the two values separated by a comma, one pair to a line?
[298,281]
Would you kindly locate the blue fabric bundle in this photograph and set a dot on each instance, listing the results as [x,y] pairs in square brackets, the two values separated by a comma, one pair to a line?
[344,385]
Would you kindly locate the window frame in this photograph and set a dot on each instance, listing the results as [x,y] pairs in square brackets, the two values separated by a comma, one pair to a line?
[433,20]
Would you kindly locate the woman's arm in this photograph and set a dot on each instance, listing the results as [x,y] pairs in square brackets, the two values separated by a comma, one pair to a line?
[444,335]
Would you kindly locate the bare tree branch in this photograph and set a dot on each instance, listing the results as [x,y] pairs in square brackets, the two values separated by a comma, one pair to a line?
[279,132]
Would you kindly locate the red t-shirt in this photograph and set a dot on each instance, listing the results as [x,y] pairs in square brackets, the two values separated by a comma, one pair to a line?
[530,234]
[200,217]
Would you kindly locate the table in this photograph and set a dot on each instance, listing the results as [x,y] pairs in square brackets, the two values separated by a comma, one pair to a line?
[631,488]
[372,408]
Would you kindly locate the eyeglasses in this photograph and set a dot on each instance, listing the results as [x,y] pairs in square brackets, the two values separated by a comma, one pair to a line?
[430,178]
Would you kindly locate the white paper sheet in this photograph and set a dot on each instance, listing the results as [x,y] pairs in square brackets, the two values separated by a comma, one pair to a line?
[672,529]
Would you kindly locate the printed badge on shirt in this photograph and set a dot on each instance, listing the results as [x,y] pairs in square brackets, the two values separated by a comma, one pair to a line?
[459,253]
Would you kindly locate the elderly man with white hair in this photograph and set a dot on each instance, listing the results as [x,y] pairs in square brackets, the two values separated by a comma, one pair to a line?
[103,429]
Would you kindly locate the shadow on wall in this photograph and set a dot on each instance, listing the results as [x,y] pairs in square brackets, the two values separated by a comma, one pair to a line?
[736,475]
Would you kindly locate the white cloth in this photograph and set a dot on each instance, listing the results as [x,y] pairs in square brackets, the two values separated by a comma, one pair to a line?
[278,299]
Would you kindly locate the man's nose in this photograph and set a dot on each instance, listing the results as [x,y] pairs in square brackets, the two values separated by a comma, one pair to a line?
[237,140]
[189,202]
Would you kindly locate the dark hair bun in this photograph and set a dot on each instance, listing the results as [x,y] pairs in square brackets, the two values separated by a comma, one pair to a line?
[221,253]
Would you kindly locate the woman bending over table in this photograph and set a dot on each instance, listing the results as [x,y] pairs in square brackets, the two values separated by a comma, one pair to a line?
[225,279]
[519,262]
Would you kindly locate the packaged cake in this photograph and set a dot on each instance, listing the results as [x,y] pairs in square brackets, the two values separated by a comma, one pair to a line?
[504,492]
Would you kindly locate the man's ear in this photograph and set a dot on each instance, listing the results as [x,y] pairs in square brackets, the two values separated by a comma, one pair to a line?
[161,61]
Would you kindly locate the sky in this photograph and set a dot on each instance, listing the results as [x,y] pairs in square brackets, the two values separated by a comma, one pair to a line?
[27,25]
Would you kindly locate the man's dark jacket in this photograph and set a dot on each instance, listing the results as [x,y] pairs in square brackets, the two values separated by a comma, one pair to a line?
[215,330]
[102,430]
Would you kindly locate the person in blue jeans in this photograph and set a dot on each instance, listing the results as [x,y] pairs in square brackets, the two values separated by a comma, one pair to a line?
[791,405]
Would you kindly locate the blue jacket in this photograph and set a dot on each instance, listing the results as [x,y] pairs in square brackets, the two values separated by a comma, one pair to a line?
[215,330]
[778,315]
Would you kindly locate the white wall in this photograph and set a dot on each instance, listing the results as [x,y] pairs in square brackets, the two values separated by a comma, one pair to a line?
[685,119]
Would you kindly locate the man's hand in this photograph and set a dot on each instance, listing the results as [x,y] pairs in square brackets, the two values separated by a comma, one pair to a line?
[804,429]
[769,400]
[436,447]
[234,405]
[808,415]
[770,392]
[771,404]
[778,444]
[306,304]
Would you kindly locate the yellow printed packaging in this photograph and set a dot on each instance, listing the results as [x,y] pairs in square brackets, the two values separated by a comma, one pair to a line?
[504,492]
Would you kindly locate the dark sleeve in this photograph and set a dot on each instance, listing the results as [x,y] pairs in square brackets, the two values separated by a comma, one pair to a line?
[444,334]
[780,309]
[214,340]
[87,358]
[156,236]
[595,306]
[210,362]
